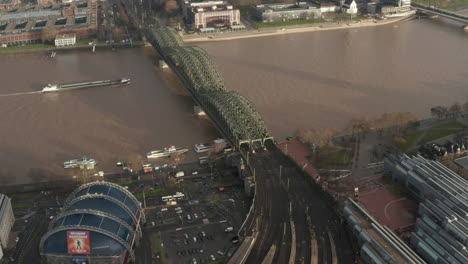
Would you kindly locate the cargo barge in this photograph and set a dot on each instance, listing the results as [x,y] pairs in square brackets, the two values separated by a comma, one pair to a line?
[72,86]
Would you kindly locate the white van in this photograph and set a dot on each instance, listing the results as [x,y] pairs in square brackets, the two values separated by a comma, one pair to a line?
[180,174]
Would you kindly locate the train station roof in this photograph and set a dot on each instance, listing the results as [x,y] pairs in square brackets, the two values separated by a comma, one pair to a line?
[106,213]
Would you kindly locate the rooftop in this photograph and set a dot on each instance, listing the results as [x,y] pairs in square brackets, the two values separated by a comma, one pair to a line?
[65,36]
[107,211]
[442,226]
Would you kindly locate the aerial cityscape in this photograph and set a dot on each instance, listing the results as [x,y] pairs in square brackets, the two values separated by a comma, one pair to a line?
[234,131]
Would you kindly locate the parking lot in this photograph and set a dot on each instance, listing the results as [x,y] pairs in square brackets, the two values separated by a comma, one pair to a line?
[202,226]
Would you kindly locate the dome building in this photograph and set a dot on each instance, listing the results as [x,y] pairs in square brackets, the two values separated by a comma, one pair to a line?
[100,223]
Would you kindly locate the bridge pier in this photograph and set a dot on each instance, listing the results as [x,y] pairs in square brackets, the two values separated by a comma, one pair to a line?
[163,64]
[198,111]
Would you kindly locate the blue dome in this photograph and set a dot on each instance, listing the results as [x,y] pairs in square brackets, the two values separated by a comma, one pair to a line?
[110,214]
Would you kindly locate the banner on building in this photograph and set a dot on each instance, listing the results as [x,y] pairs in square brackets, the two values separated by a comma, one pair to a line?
[78,242]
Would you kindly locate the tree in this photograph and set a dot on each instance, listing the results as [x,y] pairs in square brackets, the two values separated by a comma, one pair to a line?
[359,125]
[318,136]
[439,112]
[48,35]
[454,110]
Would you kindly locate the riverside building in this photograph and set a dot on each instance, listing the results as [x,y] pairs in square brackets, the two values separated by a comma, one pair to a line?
[281,12]
[40,23]
[209,14]
[441,231]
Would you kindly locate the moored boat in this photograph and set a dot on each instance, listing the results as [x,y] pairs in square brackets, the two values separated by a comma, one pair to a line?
[165,152]
[76,163]
[204,147]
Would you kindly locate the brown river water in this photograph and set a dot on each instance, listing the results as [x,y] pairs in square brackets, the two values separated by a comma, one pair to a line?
[295,81]
[324,79]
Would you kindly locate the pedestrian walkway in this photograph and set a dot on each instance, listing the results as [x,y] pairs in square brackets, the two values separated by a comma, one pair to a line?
[300,154]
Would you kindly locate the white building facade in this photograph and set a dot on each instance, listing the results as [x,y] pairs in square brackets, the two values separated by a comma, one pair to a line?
[7,219]
[65,40]
[349,6]
[215,16]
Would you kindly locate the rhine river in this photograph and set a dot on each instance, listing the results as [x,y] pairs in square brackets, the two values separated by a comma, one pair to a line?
[327,78]
[316,79]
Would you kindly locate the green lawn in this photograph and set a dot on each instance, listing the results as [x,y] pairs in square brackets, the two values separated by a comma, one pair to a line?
[157,192]
[156,246]
[21,205]
[289,23]
[24,196]
[396,190]
[450,124]
[27,47]
[333,156]
[443,4]
[442,130]
[411,139]
[126,182]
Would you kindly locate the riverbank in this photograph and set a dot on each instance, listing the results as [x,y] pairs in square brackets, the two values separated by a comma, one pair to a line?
[28,50]
[287,30]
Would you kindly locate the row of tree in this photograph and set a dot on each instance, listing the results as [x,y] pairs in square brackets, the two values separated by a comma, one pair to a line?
[446,112]
[394,122]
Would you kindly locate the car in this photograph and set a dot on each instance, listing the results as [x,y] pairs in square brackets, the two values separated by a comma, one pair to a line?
[186,236]
[203,233]
[195,239]
[212,258]
[164,209]
[220,253]
[194,261]
[195,216]
[153,224]
[17,239]
[200,250]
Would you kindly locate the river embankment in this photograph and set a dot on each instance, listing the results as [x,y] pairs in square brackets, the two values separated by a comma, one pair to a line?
[27,50]
[265,32]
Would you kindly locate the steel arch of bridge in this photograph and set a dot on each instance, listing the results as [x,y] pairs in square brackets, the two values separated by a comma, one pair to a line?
[237,116]
[197,67]
[232,113]
[165,37]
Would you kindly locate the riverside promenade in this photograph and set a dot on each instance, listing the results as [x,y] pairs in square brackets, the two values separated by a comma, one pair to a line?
[264,32]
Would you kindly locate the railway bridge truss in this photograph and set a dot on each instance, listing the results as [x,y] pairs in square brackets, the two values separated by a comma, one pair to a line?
[232,113]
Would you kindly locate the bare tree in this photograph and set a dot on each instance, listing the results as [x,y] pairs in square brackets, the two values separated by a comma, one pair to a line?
[318,136]
[454,110]
[48,36]
[439,112]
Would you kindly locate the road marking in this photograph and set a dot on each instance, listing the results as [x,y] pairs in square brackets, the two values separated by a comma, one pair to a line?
[333,248]
[389,203]
[314,252]
[292,256]
[271,254]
